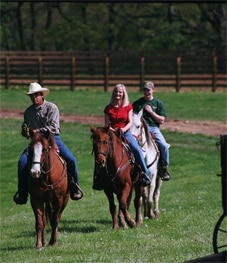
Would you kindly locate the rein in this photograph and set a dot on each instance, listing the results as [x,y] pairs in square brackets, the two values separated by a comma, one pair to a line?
[125,165]
[51,165]
[139,137]
[54,185]
[110,153]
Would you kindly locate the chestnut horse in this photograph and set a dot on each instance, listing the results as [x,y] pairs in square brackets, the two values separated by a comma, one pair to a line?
[48,185]
[151,193]
[122,174]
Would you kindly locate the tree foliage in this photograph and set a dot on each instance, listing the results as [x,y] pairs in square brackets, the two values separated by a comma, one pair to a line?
[113,26]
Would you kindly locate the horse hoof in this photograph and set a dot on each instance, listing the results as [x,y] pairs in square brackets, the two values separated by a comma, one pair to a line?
[39,247]
[132,224]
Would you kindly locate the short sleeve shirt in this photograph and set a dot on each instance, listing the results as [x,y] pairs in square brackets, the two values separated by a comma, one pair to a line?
[118,116]
[156,105]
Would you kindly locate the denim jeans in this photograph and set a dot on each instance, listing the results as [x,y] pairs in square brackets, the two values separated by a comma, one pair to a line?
[137,152]
[163,146]
[23,165]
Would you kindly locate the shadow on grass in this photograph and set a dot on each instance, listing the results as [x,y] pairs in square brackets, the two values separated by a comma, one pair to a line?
[82,226]
[77,226]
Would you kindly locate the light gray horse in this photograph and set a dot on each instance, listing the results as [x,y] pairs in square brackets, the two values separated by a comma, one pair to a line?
[151,194]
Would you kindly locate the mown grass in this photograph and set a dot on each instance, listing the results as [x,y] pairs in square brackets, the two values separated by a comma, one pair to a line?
[190,202]
[186,106]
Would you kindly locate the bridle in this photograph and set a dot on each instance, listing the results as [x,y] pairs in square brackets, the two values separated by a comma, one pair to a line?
[110,153]
[44,173]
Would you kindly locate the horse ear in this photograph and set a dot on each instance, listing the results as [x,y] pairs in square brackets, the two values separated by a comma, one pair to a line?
[140,114]
[92,129]
[106,128]
[31,133]
[46,132]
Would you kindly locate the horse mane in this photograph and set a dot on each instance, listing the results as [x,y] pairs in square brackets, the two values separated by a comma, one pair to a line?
[52,141]
[147,132]
[37,136]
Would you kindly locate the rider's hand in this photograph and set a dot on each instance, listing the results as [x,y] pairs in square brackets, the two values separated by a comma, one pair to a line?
[25,130]
[148,108]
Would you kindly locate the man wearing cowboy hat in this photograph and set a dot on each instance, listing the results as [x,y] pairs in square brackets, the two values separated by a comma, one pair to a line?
[43,115]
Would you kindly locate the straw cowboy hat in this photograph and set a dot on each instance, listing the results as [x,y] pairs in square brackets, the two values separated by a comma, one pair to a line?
[35,87]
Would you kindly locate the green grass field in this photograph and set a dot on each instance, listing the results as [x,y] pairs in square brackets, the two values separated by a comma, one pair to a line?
[190,202]
[190,106]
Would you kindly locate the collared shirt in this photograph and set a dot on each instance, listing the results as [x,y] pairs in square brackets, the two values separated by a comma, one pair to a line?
[44,116]
[156,105]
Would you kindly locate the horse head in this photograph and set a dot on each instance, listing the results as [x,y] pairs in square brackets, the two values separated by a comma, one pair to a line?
[40,142]
[101,144]
[140,129]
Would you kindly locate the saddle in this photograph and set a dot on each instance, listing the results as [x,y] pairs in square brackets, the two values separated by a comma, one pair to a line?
[126,144]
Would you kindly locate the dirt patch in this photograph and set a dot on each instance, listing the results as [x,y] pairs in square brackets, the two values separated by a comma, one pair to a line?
[203,127]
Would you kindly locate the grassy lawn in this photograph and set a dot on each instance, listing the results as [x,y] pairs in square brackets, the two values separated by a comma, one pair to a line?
[190,106]
[190,203]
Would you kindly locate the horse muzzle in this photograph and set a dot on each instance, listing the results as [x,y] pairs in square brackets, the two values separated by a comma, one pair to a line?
[36,170]
[101,159]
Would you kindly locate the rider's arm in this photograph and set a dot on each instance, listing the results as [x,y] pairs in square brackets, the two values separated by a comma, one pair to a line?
[158,118]
[107,120]
[129,124]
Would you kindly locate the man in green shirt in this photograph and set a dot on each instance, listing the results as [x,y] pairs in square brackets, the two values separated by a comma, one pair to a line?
[154,113]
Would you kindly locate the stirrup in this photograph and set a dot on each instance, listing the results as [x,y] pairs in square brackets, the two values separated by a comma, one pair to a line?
[144,179]
[19,200]
[15,196]
[77,188]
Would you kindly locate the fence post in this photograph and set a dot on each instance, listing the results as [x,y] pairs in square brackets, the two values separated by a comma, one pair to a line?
[107,64]
[73,73]
[40,72]
[142,72]
[178,76]
[214,79]
[7,72]
[223,142]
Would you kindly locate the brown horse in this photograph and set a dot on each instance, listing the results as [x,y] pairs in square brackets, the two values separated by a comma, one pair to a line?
[48,185]
[112,155]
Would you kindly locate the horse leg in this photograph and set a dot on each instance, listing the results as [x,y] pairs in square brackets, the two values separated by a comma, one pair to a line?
[150,201]
[44,240]
[54,228]
[138,203]
[122,199]
[121,219]
[57,208]
[40,223]
[156,197]
[145,202]
[112,208]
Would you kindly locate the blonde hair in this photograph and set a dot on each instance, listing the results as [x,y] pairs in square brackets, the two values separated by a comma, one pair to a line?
[125,99]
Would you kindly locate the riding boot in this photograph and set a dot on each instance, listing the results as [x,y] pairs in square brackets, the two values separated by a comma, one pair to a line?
[76,193]
[144,179]
[99,173]
[21,196]
[163,172]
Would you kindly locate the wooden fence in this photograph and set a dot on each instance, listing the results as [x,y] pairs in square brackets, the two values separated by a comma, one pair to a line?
[169,70]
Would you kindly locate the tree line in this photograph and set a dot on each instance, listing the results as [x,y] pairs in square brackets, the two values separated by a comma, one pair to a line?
[112,26]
